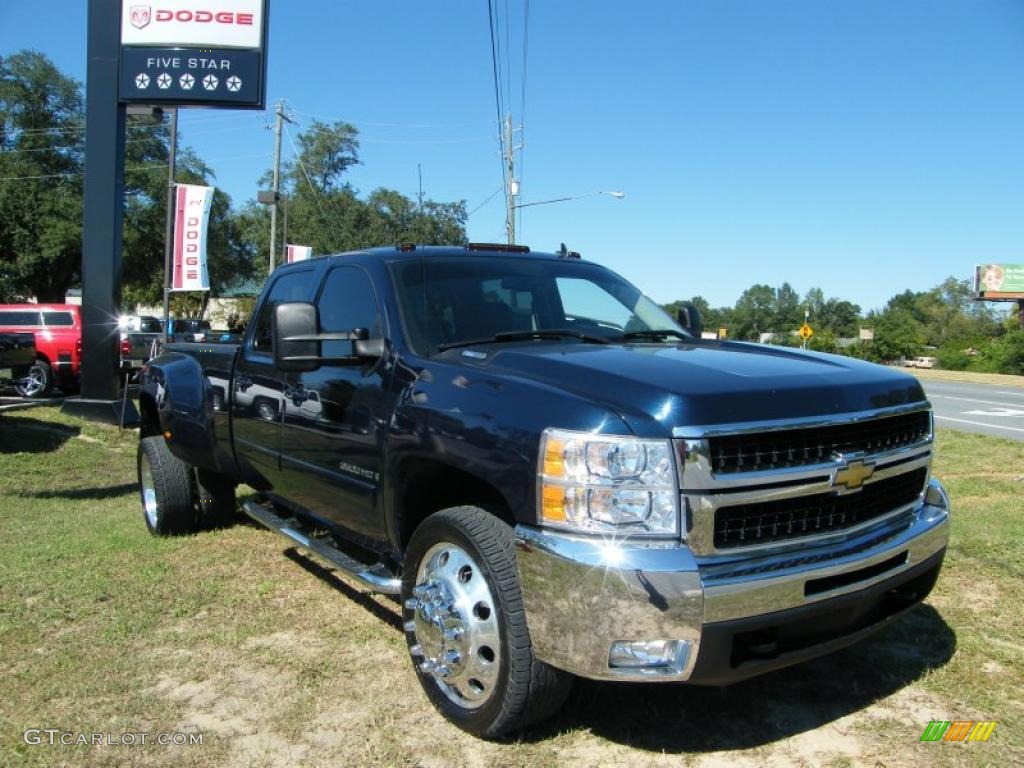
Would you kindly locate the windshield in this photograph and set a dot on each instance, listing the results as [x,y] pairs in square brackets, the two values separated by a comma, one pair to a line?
[446,301]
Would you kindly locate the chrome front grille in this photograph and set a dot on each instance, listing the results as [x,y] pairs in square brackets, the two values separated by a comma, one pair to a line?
[762,522]
[770,487]
[781,449]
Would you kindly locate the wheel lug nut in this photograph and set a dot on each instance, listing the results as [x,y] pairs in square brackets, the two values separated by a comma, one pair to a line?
[455,633]
[409,626]
[412,604]
[452,657]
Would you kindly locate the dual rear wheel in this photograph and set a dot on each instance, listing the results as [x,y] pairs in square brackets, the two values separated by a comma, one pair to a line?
[176,497]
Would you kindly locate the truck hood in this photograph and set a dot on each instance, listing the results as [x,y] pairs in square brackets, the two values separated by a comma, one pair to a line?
[658,388]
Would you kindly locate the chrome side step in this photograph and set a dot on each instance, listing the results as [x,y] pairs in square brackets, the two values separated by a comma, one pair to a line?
[377,577]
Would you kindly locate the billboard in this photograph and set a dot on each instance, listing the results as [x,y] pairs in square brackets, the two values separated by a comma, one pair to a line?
[194,53]
[999,281]
[191,220]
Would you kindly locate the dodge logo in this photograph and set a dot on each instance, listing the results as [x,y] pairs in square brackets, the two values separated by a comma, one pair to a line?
[139,15]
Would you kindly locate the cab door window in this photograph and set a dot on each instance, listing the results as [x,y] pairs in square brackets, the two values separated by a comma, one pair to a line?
[347,302]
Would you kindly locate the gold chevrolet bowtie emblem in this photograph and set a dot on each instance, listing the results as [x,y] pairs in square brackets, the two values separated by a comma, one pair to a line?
[853,475]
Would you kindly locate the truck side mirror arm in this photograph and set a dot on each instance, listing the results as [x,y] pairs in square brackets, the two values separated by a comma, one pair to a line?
[688,316]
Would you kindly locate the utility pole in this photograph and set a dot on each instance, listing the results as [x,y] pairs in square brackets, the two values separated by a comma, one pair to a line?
[172,152]
[513,185]
[279,120]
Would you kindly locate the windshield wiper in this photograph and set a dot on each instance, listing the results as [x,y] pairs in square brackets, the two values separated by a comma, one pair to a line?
[656,334]
[541,333]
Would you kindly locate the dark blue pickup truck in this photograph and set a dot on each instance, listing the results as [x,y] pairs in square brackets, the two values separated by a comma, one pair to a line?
[557,478]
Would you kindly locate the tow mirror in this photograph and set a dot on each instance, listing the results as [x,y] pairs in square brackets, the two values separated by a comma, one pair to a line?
[689,317]
[293,328]
[297,340]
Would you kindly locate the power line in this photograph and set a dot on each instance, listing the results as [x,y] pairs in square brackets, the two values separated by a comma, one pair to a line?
[522,99]
[316,192]
[339,118]
[485,202]
[81,144]
[497,98]
[137,168]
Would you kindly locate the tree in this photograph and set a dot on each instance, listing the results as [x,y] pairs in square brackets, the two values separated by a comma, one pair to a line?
[755,313]
[41,166]
[327,213]
[41,123]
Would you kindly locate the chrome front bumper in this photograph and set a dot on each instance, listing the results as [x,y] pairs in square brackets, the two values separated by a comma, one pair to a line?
[583,594]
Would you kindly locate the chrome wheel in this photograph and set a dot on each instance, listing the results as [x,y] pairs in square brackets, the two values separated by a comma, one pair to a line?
[148,491]
[455,624]
[33,384]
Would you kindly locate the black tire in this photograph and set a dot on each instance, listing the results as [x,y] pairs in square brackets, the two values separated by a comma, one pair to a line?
[38,383]
[216,498]
[168,491]
[525,689]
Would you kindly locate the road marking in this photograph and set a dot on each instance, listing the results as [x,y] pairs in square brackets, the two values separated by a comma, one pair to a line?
[974,400]
[995,412]
[979,423]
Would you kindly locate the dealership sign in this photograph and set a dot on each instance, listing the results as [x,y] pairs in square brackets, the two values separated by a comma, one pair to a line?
[194,53]
[191,221]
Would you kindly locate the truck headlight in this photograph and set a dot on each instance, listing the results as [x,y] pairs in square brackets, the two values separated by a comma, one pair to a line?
[603,483]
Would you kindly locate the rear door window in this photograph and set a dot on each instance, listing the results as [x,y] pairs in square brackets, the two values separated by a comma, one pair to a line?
[20,317]
[54,319]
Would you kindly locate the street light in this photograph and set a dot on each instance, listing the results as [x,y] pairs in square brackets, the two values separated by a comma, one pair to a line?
[616,195]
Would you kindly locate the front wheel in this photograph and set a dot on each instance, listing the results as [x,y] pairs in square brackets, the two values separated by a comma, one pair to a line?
[466,628]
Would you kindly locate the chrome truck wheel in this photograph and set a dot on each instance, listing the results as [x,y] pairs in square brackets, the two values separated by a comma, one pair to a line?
[455,626]
[464,622]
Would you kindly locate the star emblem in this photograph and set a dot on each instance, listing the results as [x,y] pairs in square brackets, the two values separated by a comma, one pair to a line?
[234,83]
[210,82]
[163,80]
[142,81]
[186,81]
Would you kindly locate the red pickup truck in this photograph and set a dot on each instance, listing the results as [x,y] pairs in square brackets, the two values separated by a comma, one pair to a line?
[58,334]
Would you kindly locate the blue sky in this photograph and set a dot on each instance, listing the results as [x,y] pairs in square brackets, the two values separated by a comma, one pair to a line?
[864,147]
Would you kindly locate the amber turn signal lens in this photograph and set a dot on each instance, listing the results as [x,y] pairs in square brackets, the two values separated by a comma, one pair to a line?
[553,503]
[554,461]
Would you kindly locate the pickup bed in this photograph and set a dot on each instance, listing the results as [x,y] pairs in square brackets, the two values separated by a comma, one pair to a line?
[554,477]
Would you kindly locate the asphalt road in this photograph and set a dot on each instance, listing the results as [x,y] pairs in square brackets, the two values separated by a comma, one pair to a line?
[985,408]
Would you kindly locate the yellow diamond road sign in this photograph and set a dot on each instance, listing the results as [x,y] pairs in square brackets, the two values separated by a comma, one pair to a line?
[806,332]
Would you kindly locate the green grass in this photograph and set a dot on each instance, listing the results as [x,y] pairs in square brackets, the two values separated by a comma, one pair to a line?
[104,628]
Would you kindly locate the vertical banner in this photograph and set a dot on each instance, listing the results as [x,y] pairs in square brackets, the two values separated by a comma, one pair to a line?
[298,253]
[191,218]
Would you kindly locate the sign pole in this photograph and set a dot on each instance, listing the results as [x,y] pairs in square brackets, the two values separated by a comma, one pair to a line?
[169,229]
[102,225]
